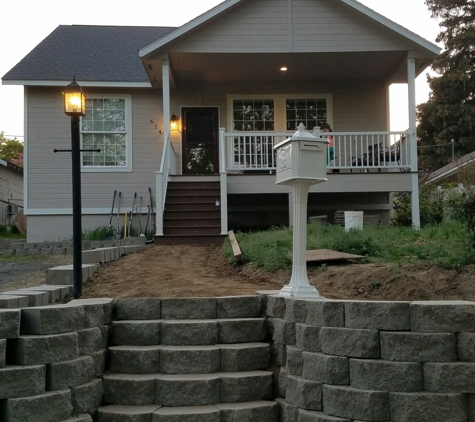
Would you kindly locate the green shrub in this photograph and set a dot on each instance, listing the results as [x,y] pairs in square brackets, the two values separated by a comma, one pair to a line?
[431,207]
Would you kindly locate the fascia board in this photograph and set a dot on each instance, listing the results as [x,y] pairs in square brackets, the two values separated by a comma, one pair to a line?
[433,48]
[82,83]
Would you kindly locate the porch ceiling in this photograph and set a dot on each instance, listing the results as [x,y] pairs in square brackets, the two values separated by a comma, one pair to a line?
[208,68]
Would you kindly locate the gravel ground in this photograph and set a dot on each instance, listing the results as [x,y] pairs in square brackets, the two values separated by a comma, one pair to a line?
[27,271]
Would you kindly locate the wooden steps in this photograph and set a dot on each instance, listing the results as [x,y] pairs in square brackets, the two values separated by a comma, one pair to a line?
[191,215]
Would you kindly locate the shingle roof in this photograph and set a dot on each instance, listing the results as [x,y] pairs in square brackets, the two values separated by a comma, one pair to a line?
[91,53]
[451,168]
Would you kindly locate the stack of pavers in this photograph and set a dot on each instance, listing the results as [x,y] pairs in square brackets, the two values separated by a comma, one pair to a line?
[59,280]
[194,359]
[52,359]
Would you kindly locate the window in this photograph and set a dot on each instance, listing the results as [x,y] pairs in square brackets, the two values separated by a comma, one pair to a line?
[107,126]
[253,115]
[310,112]
[278,112]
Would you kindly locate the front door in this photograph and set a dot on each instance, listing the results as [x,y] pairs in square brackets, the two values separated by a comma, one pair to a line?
[200,140]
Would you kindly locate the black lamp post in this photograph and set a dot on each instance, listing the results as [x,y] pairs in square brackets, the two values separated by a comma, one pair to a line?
[75,106]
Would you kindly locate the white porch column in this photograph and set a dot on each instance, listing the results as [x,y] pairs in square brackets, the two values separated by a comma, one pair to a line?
[166,95]
[159,192]
[223,179]
[411,84]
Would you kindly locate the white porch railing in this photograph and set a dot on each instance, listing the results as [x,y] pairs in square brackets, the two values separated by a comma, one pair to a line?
[254,151]
[167,168]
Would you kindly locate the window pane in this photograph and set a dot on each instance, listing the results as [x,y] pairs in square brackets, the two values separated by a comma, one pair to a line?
[105,115]
[253,115]
[311,112]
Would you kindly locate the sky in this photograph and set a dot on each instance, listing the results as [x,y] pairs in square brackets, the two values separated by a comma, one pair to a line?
[25,24]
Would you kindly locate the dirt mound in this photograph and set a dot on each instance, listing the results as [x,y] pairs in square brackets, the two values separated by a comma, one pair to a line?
[184,270]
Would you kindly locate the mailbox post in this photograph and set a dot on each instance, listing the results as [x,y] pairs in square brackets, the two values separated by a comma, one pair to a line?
[301,162]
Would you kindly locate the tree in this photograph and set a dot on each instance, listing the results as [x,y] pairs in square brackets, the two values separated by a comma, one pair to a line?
[450,111]
[11,150]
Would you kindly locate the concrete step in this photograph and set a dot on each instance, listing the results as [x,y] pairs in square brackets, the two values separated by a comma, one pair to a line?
[134,359]
[136,332]
[188,332]
[146,359]
[117,413]
[63,275]
[188,390]
[256,411]
[190,359]
[129,389]
[176,390]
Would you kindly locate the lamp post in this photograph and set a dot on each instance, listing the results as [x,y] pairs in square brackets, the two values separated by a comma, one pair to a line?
[75,107]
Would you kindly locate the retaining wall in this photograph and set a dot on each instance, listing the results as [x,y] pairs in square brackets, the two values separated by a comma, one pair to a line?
[337,361]
[374,361]
[52,359]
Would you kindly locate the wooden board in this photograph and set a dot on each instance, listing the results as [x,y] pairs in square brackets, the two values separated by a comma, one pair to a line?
[234,244]
[329,255]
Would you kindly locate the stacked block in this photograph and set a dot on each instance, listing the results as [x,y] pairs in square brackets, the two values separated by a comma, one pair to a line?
[49,361]
[374,361]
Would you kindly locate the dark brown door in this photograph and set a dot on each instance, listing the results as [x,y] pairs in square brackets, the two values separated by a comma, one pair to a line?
[200,140]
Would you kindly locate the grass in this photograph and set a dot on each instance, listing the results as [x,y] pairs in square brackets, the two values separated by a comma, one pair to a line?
[446,244]
[10,233]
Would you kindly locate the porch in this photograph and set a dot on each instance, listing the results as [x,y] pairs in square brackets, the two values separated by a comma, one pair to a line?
[365,169]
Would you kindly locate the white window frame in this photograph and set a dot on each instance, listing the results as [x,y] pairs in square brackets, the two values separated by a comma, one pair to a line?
[128,137]
[280,115]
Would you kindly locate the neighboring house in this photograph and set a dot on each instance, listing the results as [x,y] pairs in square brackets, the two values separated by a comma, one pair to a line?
[11,191]
[450,172]
[222,76]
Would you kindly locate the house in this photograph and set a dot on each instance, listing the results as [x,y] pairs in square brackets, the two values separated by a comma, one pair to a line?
[450,172]
[11,191]
[233,83]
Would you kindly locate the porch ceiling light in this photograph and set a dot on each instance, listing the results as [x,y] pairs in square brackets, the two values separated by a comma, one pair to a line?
[283,69]
[74,100]
[174,122]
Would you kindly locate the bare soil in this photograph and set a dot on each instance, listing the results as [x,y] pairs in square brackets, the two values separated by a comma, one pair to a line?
[184,271]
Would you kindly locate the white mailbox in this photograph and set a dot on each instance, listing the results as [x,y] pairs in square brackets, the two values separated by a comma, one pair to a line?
[303,157]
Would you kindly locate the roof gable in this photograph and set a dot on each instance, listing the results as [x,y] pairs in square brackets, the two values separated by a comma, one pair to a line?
[268,26]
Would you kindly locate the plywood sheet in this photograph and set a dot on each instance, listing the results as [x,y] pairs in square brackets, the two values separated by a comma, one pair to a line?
[329,255]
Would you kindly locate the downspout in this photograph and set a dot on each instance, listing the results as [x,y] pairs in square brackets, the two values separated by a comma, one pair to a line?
[411,84]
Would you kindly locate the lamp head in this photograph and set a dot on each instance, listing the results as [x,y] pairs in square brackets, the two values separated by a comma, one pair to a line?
[74,100]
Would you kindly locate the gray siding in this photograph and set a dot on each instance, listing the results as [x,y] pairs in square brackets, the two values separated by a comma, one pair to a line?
[290,26]
[49,174]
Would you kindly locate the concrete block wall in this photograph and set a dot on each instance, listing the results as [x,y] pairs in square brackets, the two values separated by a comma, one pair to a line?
[22,248]
[373,361]
[52,359]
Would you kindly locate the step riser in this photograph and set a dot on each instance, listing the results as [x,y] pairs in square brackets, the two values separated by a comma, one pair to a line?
[193,185]
[192,192]
[176,222]
[232,358]
[189,240]
[191,215]
[187,390]
[211,207]
[191,231]
[206,199]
